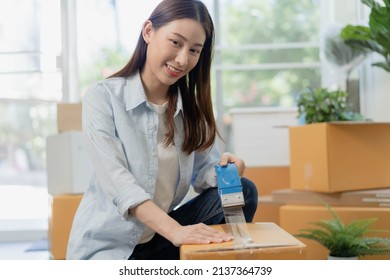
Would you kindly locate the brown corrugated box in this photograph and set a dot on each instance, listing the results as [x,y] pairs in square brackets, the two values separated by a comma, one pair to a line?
[340,156]
[267,210]
[361,198]
[69,117]
[270,243]
[268,207]
[296,217]
[268,179]
[62,211]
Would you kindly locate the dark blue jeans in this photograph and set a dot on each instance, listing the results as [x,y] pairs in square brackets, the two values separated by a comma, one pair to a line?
[205,208]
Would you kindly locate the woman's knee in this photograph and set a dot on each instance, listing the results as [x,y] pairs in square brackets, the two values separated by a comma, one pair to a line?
[251,198]
[250,190]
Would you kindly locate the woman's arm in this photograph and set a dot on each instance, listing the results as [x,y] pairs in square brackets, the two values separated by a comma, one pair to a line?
[156,219]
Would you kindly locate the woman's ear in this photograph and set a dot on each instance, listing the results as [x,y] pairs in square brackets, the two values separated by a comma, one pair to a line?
[147,31]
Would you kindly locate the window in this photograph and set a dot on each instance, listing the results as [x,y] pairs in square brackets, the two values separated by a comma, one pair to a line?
[107,32]
[30,87]
[267,51]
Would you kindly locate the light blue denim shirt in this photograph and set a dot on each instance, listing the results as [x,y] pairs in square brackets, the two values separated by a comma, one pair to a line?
[120,136]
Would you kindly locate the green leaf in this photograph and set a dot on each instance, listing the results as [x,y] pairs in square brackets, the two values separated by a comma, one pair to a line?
[383,65]
[360,37]
[371,3]
[358,32]
[375,37]
[322,105]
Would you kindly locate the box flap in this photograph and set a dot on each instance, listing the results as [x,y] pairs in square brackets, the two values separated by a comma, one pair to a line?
[69,117]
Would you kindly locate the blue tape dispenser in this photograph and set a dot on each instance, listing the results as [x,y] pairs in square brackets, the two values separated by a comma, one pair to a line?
[229,185]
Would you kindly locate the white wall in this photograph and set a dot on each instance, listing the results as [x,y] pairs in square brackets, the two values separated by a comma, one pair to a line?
[261,135]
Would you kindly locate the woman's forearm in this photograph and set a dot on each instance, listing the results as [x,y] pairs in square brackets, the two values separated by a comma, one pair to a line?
[153,217]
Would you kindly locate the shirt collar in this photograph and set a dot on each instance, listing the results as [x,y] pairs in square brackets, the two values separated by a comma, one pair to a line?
[135,94]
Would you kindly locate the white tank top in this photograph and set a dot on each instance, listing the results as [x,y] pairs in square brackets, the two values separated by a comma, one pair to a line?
[168,169]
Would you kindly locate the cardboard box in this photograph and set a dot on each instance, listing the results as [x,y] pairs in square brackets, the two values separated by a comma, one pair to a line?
[296,217]
[340,156]
[362,198]
[268,179]
[62,211]
[69,117]
[267,210]
[69,169]
[271,243]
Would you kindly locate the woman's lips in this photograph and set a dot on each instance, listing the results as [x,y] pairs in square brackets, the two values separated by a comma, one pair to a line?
[174,72]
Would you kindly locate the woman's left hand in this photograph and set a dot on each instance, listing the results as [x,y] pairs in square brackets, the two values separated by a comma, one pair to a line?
[230,158]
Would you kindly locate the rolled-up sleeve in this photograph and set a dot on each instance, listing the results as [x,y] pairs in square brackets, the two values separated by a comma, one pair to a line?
[106,152]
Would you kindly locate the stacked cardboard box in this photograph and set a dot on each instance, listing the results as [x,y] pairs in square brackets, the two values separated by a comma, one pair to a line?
[62,211]
[267,210]
[267,180]
[68,166]
[347,165]
[69,117]
[68,173]
[341,156]
[361,198]
[300,208]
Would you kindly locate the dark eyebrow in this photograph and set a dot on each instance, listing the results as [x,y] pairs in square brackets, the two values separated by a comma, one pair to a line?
[186,40]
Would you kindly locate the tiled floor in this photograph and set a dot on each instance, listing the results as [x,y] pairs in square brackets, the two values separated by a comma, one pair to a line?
[20,251]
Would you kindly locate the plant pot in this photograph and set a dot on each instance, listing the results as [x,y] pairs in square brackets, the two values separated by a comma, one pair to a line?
[353,98]
[342,258]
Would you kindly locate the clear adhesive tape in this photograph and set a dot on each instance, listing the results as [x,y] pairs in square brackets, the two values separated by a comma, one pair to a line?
[236,225]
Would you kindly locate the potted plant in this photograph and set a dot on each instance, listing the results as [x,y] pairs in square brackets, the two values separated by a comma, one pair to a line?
[346,240]
[375,36]
[323,105]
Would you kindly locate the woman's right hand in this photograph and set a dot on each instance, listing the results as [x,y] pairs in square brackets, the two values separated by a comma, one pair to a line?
[198,234]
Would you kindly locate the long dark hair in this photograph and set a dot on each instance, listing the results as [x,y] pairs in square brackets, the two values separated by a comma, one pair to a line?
[199,123]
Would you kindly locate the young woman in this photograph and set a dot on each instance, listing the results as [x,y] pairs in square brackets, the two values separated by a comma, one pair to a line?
[151,134]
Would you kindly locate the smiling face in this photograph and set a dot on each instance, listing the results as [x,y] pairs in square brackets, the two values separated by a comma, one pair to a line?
[173,51]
